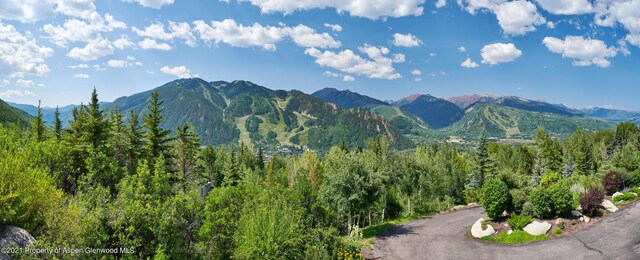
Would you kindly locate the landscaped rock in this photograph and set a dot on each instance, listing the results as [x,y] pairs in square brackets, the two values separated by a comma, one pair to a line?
[608,205]
[478,232]
[14,236]
[509,232]
[472,204]
[537,228]
[576,213]
[616,195]
[587,219]
[558,221]
[459,207]
[581,218]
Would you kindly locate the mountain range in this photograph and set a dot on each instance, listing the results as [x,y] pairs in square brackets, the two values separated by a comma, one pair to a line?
[241,111]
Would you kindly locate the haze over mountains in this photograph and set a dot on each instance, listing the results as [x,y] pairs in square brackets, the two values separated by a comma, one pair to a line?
[241,111]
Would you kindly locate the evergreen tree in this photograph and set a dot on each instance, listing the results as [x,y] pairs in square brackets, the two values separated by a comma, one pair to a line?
[186,154]
[231,171]
[96,129]
[134,142]
[57,125]
[38,125]
[117,141]
[260,159]
[550,148]
[485,166]
[569,168]
[156,138]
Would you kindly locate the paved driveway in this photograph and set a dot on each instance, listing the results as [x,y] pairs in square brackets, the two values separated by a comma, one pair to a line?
[444,237]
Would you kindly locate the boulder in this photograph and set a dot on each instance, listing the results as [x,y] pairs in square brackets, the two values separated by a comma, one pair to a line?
[478,232]
[608,205]
[587,219]
[616,195]
[509,232]
[576,213]
[14,236]
[537,228]
[459,207]
[559,220]
[472,204]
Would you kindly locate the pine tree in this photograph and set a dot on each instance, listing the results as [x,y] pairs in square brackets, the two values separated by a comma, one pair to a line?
[260,159]
[485,166]
[57,125]
[186,154]
[38,125]
[230,170]
[134,142]
[156,138]
[568,168]
[118,136]
[97,128]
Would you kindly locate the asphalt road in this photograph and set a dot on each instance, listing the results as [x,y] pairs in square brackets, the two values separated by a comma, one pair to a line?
[444,237]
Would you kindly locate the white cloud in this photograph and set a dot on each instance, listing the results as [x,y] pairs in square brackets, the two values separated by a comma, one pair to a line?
[72,30]
[331,74]
[123,42]
[334,27]
[468,63]
[151,44]
[149,72]
[416,72]
[625,12]
[623,47]
[229,32]
[176,30]
[433,54]
[499,52]
[257,35]
[441,3]
[307,37]
[417,79]
[551,25]
[380,66]
[92,51]
[462,49]
[372,9]
[584,52]
[11,94]
[28,11]
[518,17]
[117,63]
[6,82]
[131,58]
[25,83]
[79,66]
[406,40]
[566,7]
[113,23]
[82,76]
[179,71]
[348,78]
[472,6]
[98,67]
[157,4]
[20,55]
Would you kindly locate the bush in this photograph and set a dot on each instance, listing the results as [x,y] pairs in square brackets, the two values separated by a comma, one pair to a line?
[635,190]
[611,181]
[627,196]
[552,201]
[549,179]
[495,197]
[590,201]
[518,199]
[518,222]
[557,231]
[633,178]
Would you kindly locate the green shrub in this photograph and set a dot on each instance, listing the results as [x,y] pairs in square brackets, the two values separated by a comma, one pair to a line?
[627,196]
[552,201]
[495,197]
[633,178]
[518,199]
[557,231]
[549,179]
[561,225]
[518,222]
[635,190]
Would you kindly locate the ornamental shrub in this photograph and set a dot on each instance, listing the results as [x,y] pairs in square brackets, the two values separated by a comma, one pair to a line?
[518,222]
[627,196]
[611,181]
[552,201]
[495,197]
[590,201]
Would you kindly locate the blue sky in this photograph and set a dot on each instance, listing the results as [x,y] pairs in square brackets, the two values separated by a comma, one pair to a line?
[578,52]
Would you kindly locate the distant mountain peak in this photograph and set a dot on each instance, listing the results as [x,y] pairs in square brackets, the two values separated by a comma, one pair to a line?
[346,98]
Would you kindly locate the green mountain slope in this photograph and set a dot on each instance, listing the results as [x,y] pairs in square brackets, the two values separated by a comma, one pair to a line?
[48,112]
[507,122]
[11,115]
[346,98]
[241,111]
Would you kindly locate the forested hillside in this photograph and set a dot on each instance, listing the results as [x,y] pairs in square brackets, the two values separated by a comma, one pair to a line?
[11,115]
[127,182]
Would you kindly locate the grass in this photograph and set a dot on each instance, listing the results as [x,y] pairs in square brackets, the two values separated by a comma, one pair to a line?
[517,237]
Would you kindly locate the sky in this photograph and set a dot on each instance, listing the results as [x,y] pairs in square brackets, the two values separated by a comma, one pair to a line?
[577,52]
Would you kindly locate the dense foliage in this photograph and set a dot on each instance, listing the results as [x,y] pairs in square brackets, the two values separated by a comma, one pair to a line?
[611,181]
[591,200]
[112,179]
[518,222]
